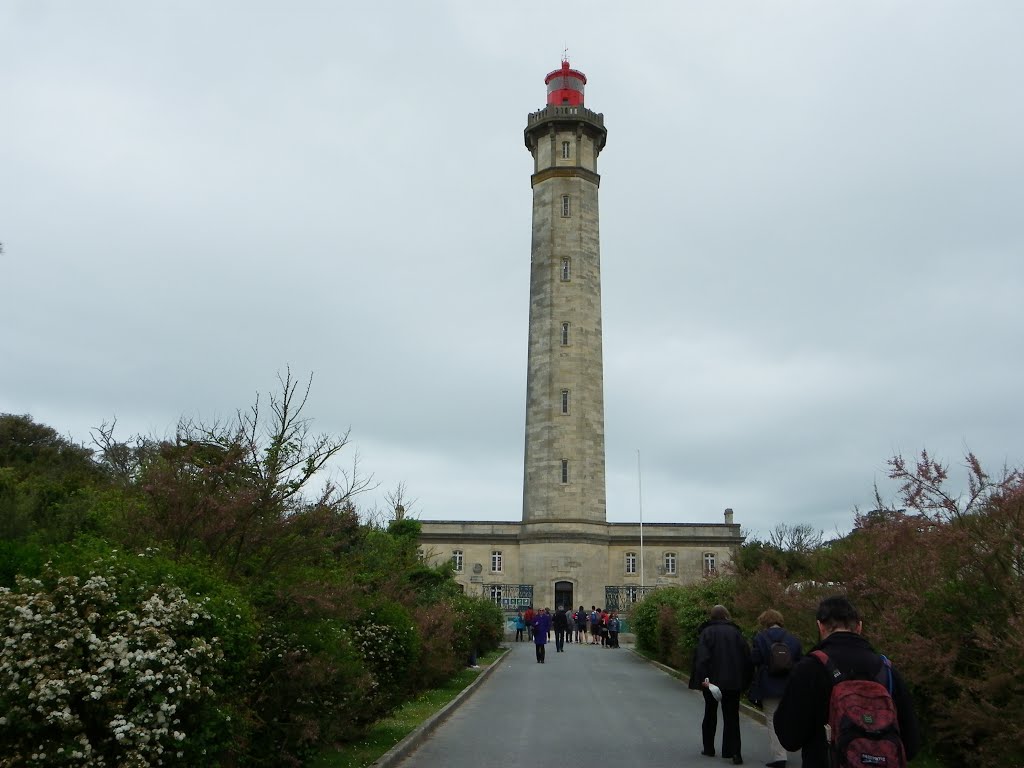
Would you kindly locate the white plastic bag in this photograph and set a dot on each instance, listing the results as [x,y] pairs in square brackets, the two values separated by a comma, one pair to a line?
[713,689]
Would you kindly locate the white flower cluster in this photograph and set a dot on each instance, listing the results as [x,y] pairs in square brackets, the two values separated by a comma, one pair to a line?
[91,674]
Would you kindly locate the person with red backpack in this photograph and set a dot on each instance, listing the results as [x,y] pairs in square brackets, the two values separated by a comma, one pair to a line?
[844,704]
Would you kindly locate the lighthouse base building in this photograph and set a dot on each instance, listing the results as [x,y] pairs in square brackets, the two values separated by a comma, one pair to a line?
[564,552]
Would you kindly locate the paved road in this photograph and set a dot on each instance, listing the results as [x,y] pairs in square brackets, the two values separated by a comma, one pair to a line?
[588,698]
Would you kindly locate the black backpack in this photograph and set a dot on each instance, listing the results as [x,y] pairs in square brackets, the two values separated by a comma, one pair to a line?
[780,659]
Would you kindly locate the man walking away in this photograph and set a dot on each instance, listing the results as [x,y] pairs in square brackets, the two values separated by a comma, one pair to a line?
[560,627]
[722,658]
[802,714]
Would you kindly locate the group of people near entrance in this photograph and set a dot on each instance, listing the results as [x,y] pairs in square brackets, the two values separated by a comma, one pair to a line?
[601,626]
[802,695]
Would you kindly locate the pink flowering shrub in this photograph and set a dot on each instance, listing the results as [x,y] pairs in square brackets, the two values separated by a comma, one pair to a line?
[100,671]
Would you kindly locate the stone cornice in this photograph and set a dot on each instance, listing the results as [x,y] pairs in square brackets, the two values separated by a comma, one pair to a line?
[565,171]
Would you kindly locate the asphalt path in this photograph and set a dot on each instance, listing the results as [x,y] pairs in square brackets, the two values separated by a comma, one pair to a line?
[587,706]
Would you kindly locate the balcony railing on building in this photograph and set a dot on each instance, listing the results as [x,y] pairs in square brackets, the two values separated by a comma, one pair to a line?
[621,599]
[510,597]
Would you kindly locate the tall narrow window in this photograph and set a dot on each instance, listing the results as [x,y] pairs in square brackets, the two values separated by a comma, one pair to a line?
[457,561]
[565,470]
[421,555]
[565,334]
[565,206]
[565,402]
[565,269]
[496,593]
[496,561]
[632,593]
[565,150]
[631,562]
[709,562]
[670,562]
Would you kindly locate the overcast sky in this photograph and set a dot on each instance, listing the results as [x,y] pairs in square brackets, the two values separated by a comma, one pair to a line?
[812,230]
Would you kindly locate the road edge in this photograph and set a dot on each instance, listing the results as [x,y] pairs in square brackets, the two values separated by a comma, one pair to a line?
[419,734]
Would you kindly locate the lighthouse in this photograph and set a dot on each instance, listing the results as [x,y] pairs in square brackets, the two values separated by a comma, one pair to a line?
[564,551]
[564,466]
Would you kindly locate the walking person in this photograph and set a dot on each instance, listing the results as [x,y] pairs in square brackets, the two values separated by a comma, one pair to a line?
[520,624]
[528,617]
[560,627]
[541,627]
[581,625]
[722,658]
[842,656]
[775,654]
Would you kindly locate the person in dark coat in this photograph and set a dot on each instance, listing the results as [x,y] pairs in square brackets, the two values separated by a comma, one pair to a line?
[541,627]
[770,683]
[561,625]
[803,711]
[722,658]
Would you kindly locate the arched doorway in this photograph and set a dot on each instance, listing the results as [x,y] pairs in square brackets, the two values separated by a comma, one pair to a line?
[563,594]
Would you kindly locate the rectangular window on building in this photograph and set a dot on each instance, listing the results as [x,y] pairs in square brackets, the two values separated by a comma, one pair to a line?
[565,402]
[421,555]
[565,334]
[631,562]
[496,561]
[457,561]
[565,206]
[565,470]
[632,594]
[565,269]
[565,150]
[670,562]
[709,562]
[495,593]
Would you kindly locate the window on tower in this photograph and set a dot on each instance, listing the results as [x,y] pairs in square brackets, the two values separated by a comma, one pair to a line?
[565,401]
[565,334]
[565,150]
[565,471]
[565,269]
[565,206]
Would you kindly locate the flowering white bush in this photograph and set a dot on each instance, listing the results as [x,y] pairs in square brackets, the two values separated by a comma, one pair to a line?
[99,672]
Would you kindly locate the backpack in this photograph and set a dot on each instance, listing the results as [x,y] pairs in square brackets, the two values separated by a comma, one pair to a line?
[862,728]
[595,619]
[780,659]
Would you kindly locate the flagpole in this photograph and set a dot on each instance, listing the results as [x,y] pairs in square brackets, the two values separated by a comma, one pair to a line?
[640,500]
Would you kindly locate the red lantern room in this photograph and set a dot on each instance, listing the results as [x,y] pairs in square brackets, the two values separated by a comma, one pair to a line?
[565,86]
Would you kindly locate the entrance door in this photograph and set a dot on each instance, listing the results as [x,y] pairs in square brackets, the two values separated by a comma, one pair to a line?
[563,594]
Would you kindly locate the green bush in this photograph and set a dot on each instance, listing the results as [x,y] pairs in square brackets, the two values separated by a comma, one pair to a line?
[134,679]
[667,620]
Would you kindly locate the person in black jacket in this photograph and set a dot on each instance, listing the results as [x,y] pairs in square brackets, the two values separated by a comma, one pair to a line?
[722,658]
[770,679]
[801,716]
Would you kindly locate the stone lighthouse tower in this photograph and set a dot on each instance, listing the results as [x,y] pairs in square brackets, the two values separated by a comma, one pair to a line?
[564,551]
[564,468]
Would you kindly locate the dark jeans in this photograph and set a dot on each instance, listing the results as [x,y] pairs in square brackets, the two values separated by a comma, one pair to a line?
[519,635]
[730,722]
[559,639]
[540,652]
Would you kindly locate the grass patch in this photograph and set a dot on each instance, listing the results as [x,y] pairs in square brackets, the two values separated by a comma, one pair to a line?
[391,730]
